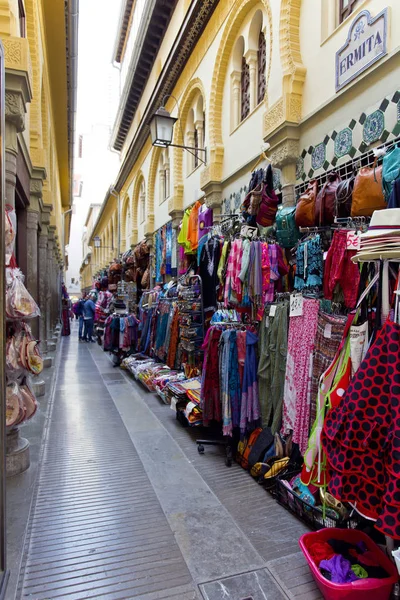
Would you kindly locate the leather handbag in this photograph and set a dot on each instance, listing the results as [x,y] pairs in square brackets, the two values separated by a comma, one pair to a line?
[367,191]
[305,208]
[325,202]
[344,197]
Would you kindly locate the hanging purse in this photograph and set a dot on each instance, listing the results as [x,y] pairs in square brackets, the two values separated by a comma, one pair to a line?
[325,202]
[367,191]
[344,197]
[269,201]
[305,208]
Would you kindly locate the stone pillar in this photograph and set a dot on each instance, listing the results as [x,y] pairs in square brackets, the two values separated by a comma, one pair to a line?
[236,77]
[199,125]
[251,57]
[49,290]
[284,154]
[43,241]
[163,186]
[213,192]
[31,280]
[15,123]
[190,156]
[149,237]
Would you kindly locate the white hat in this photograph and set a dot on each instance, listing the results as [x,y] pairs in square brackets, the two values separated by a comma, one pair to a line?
[383,223]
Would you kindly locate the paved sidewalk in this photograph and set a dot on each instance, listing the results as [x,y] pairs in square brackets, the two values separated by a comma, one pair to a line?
[126,508]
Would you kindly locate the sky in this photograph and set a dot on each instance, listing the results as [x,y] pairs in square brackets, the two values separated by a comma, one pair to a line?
[98,95]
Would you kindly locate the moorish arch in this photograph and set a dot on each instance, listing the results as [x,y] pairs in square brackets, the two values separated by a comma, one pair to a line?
[195,88]
[237,15]
[155,157]
[125,223]
[135,205]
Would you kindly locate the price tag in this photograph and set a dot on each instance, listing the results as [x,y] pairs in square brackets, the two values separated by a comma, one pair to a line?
[325,255]
[353,240]
[296,305]
[328,331]
[272,310]
[248,232]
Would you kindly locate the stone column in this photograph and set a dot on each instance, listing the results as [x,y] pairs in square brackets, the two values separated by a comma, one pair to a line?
[163,186]
[190,156]
[251,57]
[49,290]
[199,125]
[43,241]
[236,77]
[15,123]
[284,154]
[31,280]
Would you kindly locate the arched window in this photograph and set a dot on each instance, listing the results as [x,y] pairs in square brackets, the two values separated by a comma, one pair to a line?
[262,64]
[142,202]
[195,132]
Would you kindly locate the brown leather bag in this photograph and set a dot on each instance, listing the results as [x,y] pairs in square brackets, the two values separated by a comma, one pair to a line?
[367,192]
[325,203]
[305,208]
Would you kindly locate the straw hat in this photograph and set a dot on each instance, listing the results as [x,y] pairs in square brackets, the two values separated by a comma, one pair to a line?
[383,223]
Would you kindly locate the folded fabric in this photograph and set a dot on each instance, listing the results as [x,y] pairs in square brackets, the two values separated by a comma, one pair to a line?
[339,569]
[359,571]
[320,551]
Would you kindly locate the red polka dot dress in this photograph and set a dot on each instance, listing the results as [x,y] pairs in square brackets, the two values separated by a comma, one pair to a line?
[361,436]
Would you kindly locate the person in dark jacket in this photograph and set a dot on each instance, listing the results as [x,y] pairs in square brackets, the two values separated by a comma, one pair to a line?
[79,315]
[89,309]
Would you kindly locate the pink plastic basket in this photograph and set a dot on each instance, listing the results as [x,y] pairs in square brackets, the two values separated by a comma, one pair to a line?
[364,589]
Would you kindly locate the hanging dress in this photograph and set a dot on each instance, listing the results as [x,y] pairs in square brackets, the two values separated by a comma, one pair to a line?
[361,437]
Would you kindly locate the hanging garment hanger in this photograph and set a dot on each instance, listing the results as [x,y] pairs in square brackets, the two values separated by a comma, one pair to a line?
[261,158]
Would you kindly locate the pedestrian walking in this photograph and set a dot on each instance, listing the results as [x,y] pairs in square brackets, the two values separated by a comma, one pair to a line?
[79,315]
[89,309]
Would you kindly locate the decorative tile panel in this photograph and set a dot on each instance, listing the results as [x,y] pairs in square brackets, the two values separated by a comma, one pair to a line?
[318,156]
[377,123]
[373,127]
[343,142]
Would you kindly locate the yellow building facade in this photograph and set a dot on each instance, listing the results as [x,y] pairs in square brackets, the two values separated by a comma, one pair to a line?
[40,105]
[316,83]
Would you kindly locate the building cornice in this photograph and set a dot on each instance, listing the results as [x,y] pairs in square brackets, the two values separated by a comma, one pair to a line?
[123,30]
[191,30]
[153,26]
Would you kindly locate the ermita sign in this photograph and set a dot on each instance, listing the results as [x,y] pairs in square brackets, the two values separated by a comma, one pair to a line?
[365,44]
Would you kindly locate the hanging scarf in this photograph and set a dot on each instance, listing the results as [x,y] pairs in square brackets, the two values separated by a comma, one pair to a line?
[250,409]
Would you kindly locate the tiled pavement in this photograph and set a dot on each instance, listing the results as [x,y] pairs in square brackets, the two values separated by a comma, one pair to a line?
[127,508]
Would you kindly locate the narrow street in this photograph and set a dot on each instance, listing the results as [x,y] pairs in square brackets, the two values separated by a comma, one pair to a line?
[126,508]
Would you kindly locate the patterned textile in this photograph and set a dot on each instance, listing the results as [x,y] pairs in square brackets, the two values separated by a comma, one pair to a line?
[173,339]
[296,402]
[250,409]
[361,437]
[309,264]
[330,330]
[168,249]
[340,269]
[210,392]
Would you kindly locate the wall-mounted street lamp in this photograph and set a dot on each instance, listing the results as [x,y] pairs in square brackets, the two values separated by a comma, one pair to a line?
[97,244]
[162,128]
